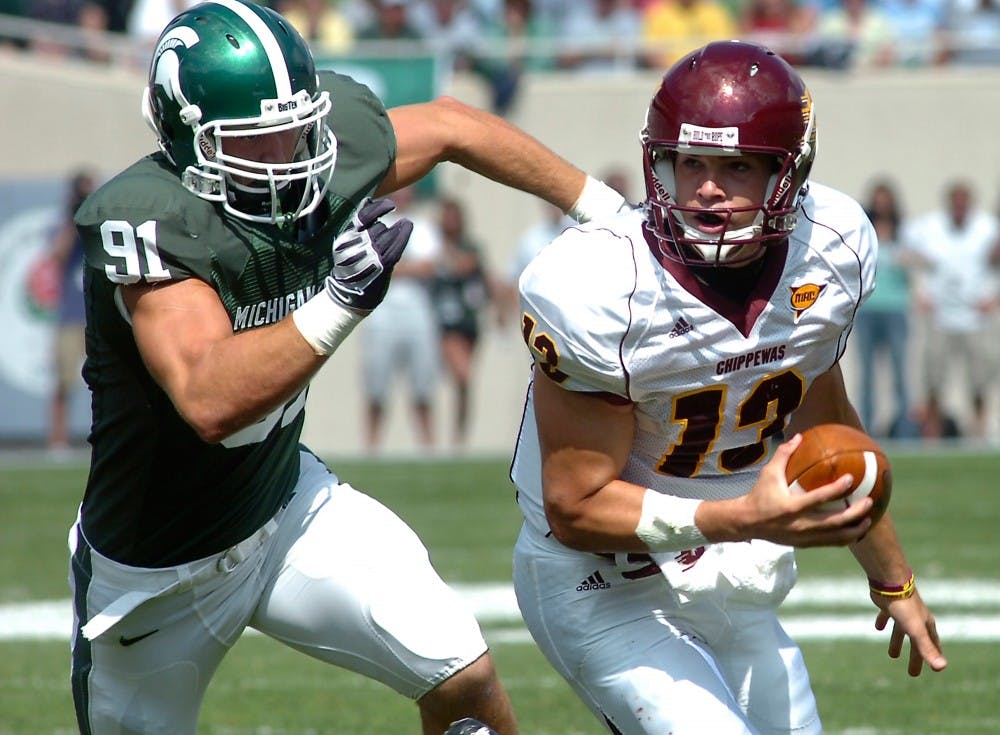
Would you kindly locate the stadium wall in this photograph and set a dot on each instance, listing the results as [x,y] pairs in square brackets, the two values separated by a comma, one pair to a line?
[921,127]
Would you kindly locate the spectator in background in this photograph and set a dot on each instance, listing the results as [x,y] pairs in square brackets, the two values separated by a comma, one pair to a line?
[957,295]
[786,26]
[401,335]
[529,244]
[918,26]
[117,13]
[540,234]
[671,28]
[148,17]
[92,20]
[16,8]
[553,12]
[451,27]
[854,33]
[599,35]
[320,22]
[461,290]
[89,16]
[390,21]
[66,254]
[512,41]
[881,327]
[618,179]
[974,32]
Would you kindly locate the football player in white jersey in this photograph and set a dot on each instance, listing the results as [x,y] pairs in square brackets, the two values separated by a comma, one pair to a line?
[675,346]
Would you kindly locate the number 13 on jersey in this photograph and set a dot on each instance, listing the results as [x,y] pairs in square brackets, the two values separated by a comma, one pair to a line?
[702,414]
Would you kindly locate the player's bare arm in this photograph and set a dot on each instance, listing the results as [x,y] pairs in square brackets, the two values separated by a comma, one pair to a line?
[448,130]
[825,402]
[879,551]
[585,441]
[893,590]
[219,381]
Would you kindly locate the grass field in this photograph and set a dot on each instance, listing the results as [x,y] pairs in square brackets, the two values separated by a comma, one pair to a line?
[945,506]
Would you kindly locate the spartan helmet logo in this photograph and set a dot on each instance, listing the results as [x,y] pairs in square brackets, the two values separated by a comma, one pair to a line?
[166,74]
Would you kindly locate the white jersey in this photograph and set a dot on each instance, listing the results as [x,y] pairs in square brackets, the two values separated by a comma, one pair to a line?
[712,381]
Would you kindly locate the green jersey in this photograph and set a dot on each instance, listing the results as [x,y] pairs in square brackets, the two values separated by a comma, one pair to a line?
[157,495]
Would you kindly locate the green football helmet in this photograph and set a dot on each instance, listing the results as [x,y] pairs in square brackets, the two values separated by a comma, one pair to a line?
[225,74]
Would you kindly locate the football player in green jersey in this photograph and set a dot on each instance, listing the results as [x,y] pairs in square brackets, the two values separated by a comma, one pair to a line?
[221,272]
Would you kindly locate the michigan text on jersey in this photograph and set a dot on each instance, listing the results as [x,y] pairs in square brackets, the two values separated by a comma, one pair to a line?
[270,311]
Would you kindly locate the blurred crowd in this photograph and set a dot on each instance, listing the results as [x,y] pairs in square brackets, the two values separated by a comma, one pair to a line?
[500,38]
[925,351]
[933,317]
[926,341]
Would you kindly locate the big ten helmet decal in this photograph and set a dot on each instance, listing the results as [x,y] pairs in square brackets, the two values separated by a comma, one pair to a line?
[233,71]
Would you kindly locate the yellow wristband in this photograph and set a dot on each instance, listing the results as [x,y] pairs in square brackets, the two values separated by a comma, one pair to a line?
[893,591]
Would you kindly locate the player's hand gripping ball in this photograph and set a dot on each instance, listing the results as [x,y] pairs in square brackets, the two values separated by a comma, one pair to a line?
[829,451]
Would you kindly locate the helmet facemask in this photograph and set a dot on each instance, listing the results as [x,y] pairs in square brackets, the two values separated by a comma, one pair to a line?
[728,99]
[266,191]
[773,218]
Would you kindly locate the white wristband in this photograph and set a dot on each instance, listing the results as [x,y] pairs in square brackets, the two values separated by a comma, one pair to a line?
[667,522]
[596,200]
[324,323]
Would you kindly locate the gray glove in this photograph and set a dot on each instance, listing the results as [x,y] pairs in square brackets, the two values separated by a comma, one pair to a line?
[364,255]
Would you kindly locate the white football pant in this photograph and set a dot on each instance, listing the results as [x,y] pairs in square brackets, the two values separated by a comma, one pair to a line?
[646,664]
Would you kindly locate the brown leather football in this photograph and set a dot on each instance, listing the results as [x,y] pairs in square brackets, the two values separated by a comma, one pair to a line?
[828,451]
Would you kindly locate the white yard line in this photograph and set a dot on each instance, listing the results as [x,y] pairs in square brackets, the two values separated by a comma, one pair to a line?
[952,629]
[494,604]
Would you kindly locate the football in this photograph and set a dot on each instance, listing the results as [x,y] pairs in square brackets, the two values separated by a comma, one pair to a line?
[828,451]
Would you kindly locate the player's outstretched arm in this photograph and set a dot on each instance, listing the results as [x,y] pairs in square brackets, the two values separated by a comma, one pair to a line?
[221,382]
[447,130]
[878,551]
[894,591]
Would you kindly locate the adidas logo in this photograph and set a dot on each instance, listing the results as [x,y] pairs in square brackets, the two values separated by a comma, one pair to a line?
[594,582]
[681,326]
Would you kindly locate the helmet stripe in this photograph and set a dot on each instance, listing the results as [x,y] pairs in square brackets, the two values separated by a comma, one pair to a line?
[268,42]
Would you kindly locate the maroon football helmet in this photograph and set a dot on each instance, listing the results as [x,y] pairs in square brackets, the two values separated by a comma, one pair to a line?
[727,99]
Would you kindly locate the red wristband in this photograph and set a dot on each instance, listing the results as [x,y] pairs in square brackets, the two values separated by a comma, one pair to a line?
[893,591]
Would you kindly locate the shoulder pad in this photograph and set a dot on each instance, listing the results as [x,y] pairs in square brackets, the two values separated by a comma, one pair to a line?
[144,225]
[575,308]
[366,141]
